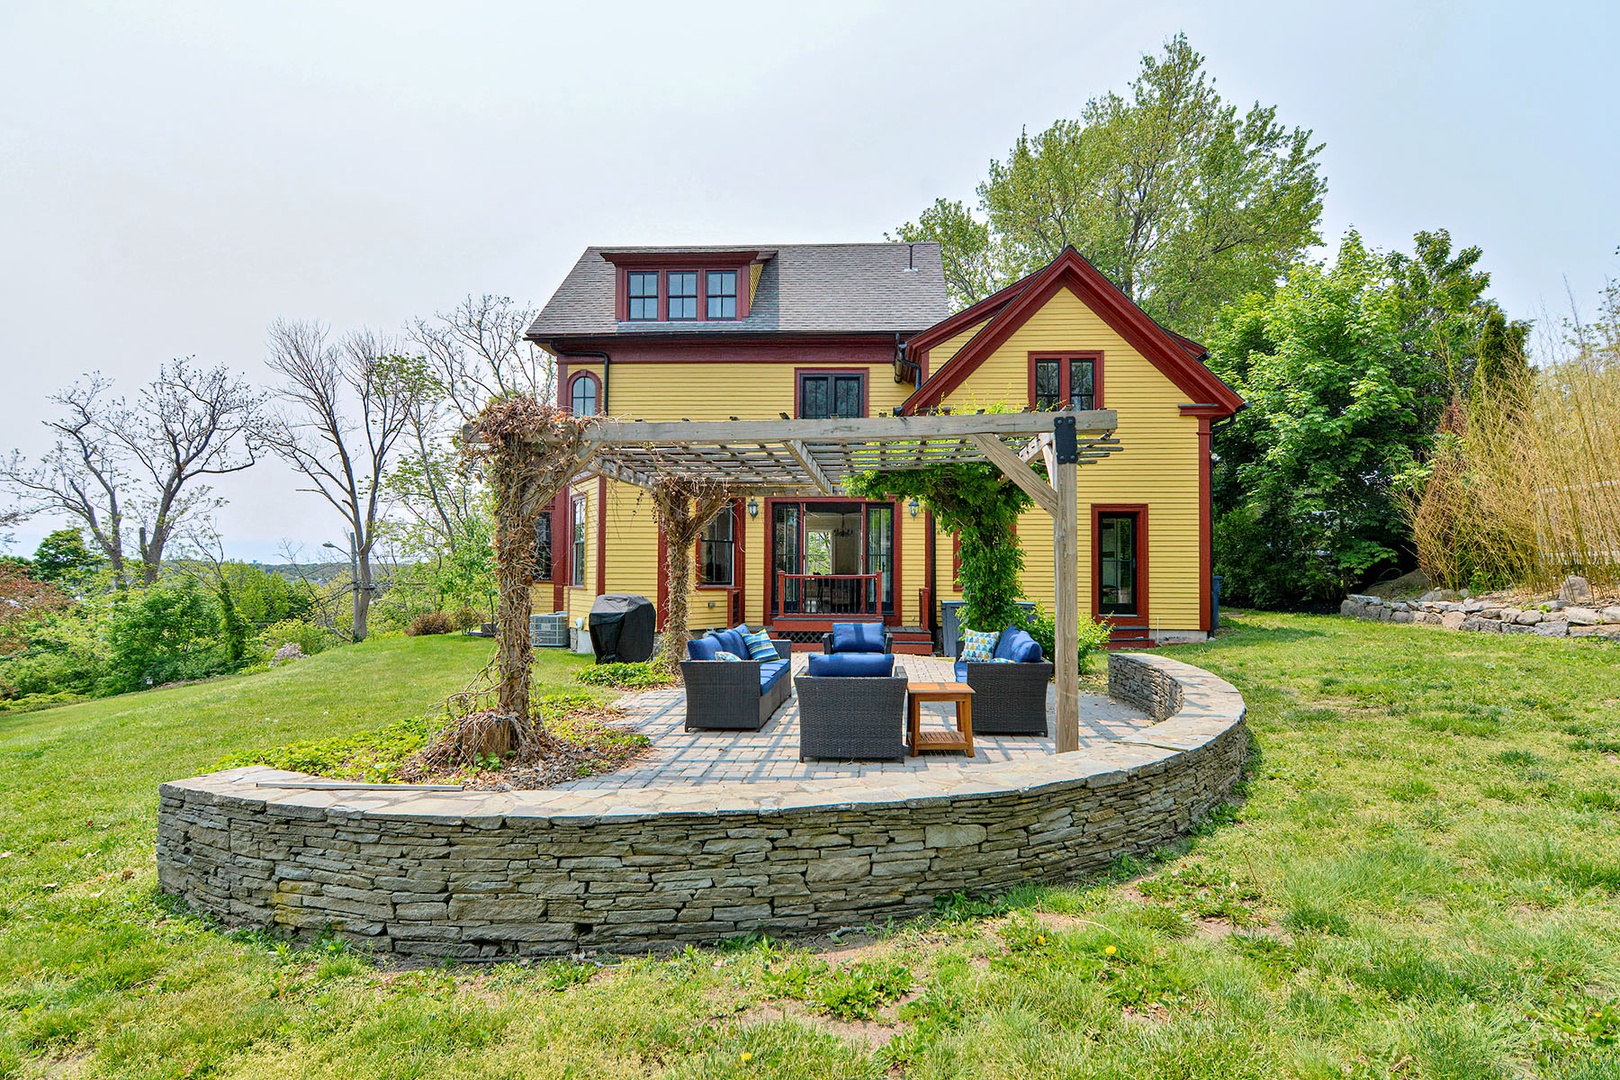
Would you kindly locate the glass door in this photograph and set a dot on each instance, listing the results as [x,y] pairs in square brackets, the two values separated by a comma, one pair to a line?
[1117,559]
[880,558]
[788,556]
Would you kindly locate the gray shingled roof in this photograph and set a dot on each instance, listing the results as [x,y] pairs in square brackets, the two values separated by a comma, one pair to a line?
[803,288]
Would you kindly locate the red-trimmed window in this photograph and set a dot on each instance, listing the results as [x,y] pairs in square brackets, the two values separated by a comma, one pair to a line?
[641,289]
[824,395]
[1056,382]
[583,394]
[717,549]
[683,295]
[722,294]
[577,542]
[542,546]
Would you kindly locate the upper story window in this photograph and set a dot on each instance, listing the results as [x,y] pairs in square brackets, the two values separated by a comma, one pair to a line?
[722,294]
[642,289]
[582,395]
[1058,382]
[683,295]
[823,395]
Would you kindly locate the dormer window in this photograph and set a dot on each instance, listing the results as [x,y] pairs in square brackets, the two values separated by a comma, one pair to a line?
[683,295]
[722,294]
[642,288]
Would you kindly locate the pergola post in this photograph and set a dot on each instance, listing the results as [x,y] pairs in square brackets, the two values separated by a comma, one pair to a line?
[1066,582]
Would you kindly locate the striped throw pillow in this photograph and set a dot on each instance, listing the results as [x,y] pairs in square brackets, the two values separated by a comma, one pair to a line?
[760,647]
[978,647]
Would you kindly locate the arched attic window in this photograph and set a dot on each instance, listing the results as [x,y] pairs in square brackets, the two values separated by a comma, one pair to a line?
[584,391]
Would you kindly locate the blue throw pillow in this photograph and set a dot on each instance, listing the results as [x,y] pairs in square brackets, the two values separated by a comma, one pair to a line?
[728,657]
[852,665]
[760,646]
[732,642]
[857,637]
[979,646]
[1028,651]
[702,648]
[1004,644]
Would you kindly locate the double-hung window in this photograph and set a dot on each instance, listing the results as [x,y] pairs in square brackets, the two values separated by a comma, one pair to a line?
[1067,381]
[722,289]
[542,547]
[683,296]
[828,395]
[578,543]
[717,549]
[641,288]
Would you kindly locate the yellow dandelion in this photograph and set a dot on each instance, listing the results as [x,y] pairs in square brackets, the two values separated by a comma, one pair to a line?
[1110,951]
[747,1057]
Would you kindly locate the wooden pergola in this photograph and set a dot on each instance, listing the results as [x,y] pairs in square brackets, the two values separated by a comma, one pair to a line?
[813,458]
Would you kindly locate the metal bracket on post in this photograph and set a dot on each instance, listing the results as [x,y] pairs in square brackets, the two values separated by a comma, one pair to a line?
[1064,443]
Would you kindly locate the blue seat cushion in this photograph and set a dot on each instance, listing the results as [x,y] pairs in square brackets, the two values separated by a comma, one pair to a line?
[857,637]
[961,671]
[702,648]
[772,672]
[732,642]
[847,665]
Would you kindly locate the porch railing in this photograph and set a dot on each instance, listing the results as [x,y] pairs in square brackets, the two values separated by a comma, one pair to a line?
[828,594]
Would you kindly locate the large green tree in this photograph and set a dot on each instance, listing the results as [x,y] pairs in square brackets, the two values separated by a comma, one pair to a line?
[1347,369]
[1183,201]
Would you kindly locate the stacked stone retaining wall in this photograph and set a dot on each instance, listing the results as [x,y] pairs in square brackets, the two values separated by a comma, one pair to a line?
[484,874]
[1555,619]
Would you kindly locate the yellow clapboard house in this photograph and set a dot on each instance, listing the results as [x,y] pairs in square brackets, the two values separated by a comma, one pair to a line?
[838,330]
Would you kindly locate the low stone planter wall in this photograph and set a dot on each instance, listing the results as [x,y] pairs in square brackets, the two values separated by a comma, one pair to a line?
[482,874]
[1556,620]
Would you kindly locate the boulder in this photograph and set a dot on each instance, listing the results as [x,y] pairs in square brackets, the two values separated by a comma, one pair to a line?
[1611,614]
[1580,616]
[1453,620]
[1527,618]
[1473,607]
[1429,618]
[1517,628]
[1607,630]
[1552,628]
[1489,626]
[1401,617]
[1491,613]
[1575,587]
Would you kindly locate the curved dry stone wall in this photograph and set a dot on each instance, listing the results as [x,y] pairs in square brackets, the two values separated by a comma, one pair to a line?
[481,874]
[1553,619]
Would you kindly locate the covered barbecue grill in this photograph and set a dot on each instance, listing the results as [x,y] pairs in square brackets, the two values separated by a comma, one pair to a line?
[622,629]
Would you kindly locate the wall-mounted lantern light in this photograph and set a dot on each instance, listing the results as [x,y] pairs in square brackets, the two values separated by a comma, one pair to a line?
[913,506]
[753,508]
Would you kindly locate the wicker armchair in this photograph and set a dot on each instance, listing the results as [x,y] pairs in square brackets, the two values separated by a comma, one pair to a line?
[827,645]
[727,695]
[861,718]
[1008,699]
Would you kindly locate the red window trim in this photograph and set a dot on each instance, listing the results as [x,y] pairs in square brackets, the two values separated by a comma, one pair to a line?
[621,306]
[1140,511]
[577,517]
[591,375]
[1094,355]
[798,386]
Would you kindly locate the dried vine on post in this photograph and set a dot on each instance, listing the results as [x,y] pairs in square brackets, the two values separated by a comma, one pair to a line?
[683,508]
[529,451]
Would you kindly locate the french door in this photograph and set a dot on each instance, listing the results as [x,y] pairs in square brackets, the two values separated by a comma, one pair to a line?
[1119,585]
[832,559]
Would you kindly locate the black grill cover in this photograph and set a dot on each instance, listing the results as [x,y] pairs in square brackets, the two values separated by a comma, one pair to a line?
[622,629]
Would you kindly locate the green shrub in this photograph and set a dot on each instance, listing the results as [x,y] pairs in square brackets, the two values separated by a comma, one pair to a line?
[1043,628]
[465,618]
[164,634]
[431,622]
[308,637]
[626,676]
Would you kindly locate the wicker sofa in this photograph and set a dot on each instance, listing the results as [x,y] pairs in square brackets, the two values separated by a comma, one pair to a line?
[1008,698]
[857,637]
[733,695]
[852,707]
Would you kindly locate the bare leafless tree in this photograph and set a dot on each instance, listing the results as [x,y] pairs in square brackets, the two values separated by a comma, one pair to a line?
[477,351]
[343,409]
[113,463]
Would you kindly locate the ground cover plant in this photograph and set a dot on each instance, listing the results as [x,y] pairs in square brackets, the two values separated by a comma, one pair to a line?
[1419,881]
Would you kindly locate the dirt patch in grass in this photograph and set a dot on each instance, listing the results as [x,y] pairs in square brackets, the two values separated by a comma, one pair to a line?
[873,1034]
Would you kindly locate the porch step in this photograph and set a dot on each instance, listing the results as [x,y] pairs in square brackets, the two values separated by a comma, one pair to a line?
[1131,637]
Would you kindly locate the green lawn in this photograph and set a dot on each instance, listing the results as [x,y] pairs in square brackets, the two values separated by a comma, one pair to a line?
[1421,883]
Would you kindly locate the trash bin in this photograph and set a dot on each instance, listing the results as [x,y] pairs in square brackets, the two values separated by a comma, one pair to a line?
[622,629]
[950,622]
[1214,603]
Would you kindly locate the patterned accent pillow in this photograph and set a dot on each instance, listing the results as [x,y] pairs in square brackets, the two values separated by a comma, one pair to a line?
[978,647]
[760,647]
[729,657]
[1002,660]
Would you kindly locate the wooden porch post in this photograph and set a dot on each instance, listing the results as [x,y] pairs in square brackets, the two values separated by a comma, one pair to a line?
[1066,581]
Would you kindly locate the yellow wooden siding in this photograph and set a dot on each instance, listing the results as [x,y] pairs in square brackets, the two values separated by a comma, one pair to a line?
[716,391]
[940,354]
[1156,465]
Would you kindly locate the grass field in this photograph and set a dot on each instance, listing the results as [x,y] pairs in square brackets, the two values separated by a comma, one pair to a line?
[1422,881]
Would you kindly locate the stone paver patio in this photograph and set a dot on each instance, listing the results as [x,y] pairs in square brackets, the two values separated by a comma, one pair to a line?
[679,758]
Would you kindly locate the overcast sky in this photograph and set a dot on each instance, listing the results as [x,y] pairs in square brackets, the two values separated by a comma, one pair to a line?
[175,176]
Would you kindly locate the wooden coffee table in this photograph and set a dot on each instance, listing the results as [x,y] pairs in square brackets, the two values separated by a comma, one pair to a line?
[959,693]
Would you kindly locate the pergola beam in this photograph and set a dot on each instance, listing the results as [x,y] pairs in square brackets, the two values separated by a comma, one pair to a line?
[997,453]
[801,454]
